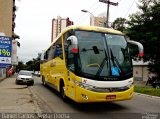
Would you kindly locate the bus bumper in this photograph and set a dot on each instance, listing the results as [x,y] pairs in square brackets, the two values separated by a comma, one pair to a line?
[84,96]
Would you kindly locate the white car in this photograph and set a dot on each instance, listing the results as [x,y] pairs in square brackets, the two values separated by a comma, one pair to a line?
[37,73]
[25,77]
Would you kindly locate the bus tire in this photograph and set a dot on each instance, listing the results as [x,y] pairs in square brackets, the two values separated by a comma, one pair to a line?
[62,91]
[43,81]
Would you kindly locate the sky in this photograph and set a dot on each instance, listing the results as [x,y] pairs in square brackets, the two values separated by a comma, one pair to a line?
[34,19]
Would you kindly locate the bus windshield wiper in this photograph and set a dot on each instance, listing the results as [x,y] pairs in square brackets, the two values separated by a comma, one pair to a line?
[102,65]
[115,62]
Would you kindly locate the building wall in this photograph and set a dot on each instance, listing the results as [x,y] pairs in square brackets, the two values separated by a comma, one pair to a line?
[6,13]
[6,24]
[63,24]
[98,21]
[58,25]
[141,72]
[2,73]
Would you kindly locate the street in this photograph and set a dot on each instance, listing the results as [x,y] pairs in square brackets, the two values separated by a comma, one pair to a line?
[40,99]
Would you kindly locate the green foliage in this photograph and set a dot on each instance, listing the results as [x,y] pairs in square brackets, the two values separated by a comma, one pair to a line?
[120,24]
[32,65]
[148,91]
[20,66]
[144,27]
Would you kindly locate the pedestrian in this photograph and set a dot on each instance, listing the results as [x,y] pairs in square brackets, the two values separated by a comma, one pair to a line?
[149,79]
[10,72]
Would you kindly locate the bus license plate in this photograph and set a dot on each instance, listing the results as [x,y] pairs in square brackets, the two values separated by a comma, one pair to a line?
[111,97]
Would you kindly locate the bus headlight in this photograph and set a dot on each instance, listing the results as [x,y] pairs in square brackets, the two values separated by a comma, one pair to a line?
[88,87]
[130,85]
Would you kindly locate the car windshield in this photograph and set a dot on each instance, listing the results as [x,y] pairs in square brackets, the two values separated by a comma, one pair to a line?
[27,73]
[103,55]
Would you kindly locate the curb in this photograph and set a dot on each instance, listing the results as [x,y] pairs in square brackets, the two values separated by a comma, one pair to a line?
[7,78]
[3,79]
[147,95]
[35,102]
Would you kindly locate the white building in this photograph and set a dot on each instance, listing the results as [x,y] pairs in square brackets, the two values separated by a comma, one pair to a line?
[58,25]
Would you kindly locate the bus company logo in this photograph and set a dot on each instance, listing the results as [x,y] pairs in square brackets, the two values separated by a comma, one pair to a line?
[84,81]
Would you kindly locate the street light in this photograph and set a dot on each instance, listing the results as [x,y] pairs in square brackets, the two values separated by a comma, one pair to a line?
[108,4]
[91,16]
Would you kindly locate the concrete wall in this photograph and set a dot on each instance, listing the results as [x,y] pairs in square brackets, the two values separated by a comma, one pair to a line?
[2,73]
[6,14]
[140,72]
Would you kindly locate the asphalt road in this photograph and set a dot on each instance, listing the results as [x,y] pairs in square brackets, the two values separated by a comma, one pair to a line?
[139,107]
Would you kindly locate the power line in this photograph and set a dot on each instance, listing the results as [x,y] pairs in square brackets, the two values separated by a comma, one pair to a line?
[129,8]
[119,1]
[80,19]
[108,3]
[97,7]
[77,21]
[89,9]
[89,14]
[93,5]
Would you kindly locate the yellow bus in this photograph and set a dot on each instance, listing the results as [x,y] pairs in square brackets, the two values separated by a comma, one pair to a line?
[89,64]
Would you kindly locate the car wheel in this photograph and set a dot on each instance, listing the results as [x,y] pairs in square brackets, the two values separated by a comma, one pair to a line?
[32,83]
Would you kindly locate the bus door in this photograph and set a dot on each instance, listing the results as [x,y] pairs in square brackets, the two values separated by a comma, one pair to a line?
[70,62]
[70,87]
[44,66]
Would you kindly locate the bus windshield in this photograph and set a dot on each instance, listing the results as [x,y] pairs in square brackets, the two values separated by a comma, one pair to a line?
[103,55]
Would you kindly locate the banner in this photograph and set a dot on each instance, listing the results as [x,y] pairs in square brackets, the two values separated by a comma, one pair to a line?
[5,51]
[14,59]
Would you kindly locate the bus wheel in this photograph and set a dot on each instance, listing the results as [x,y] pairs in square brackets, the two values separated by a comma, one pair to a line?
[43,81]
[62,91]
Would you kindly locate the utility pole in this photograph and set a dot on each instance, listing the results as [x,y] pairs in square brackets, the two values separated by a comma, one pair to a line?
[108,3]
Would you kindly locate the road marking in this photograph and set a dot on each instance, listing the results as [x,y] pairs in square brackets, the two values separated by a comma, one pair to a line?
[147,95]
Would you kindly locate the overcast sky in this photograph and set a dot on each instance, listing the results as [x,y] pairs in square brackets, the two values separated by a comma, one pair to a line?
[34,19]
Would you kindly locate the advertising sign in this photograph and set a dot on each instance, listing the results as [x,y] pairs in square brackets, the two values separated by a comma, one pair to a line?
[14,59]
[5,51]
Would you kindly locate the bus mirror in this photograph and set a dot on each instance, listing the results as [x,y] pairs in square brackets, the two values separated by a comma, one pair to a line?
[69,42]
[73,42]
[95,49]
[140,47]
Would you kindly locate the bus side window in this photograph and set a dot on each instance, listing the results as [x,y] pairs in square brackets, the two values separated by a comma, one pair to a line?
[68,52]
[46,56]
[58,49]
[70,59]
[51,52]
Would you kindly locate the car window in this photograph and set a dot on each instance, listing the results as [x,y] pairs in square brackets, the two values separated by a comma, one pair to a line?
[27,73]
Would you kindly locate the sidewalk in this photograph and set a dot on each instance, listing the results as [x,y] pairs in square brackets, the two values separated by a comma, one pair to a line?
[15,98]
[141,83]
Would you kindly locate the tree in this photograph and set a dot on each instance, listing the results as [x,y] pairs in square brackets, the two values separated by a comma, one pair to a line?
[30,65]
[20,66]
[120,24]
[144,27]
[34,64]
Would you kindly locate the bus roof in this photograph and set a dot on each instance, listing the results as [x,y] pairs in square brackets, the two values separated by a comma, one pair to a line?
[93,28]
[88,28]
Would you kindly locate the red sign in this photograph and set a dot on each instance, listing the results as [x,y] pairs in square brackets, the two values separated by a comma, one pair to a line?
[111,97]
